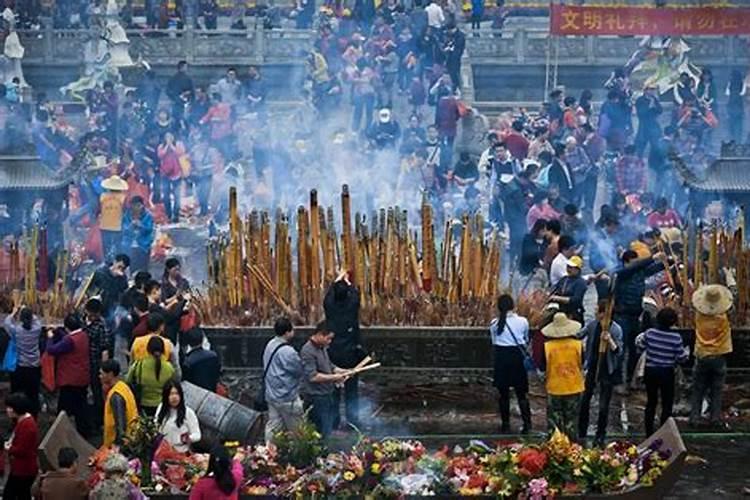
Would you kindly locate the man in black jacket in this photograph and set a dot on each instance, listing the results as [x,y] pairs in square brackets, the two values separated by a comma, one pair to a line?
[180,90]
[630,287]
[201,366]
[341,306]
[111,281]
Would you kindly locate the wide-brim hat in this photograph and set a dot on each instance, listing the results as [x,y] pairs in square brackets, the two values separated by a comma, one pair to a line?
[561,326]
[712,299]
[115,183]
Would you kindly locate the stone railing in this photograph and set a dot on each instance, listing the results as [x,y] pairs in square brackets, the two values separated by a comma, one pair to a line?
[518,45]
[530,46]
[254,46]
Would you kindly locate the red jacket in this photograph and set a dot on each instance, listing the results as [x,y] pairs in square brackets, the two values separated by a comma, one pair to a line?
[141,328]
[72,359]
[22,451]
[170,160]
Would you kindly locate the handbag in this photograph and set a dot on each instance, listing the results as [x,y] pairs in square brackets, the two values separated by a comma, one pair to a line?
[260,404]
[10,359]
[48,372]
[528,362]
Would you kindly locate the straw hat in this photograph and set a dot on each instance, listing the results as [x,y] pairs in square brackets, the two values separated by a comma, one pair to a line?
[115,183]
[712,299]
[560,327]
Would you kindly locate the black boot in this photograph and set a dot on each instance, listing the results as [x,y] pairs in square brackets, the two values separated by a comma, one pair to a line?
[525,408]
[504,415]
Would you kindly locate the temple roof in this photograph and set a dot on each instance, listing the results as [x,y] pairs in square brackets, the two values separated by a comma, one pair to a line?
[727,174]
[28,173]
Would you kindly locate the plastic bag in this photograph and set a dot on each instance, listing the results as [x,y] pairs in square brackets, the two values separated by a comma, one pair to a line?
[48,372]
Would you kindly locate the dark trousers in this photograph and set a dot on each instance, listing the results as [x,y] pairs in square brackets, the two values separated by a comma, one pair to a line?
[363,105]
[27,379]
[647,135]
[97,408]
[659,380]
[351,402]
[321,412]
[140,259]
[72,400]
[504,403]
[171,198]
[18,487]
[110,244]
[708,380]
[631,326]
[203,190]
[605,397]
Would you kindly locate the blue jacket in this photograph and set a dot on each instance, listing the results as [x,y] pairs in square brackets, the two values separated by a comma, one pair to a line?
[143,234]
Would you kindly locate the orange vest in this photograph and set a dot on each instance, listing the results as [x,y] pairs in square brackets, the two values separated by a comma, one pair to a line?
[564,366]
[131,411]
[713,335]
[111,211]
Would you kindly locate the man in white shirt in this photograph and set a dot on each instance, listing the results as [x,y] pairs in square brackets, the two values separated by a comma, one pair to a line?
[559,268]
[435,16]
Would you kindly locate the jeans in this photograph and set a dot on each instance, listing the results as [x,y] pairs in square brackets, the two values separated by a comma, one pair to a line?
[351,403]
[72,401]
[605,397]
[283,417]
[659,379]
[631,327]
[562,413]
[708,380]
[321,413]
[203,191]
[171,198]
[362,104]
[27,379]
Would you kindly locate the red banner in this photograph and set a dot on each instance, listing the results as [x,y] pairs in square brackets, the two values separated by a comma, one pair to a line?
[571,20]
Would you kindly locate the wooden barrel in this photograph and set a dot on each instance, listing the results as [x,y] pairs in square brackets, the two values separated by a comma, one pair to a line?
[222,419]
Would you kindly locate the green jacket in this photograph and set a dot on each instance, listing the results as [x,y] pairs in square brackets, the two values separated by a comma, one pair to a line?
[142,378]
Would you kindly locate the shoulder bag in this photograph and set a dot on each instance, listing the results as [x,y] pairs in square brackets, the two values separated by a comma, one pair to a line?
[260,404]
[528,362]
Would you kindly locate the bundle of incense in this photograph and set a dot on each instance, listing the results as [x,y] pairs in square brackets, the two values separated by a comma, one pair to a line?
[355,371]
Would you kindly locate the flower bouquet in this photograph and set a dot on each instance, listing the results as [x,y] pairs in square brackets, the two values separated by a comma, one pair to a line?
[176,472]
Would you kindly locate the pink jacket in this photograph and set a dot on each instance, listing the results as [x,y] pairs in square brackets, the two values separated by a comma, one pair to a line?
[207,489]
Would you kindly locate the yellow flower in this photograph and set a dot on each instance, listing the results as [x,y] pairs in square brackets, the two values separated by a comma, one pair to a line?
[349,475]
[378,454]
[375,468]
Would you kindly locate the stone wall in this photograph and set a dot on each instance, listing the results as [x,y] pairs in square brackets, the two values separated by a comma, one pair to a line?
[413,350]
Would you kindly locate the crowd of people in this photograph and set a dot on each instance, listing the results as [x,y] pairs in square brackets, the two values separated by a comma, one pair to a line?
[129,354]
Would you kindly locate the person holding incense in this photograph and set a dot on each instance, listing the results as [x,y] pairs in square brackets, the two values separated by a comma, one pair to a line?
[603,371]
[319,379]
[341,306]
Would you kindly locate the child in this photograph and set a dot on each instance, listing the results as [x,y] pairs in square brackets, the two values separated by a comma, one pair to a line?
[563,356]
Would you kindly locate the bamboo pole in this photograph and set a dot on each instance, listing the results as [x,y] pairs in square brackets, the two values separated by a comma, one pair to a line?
[713,255]
[698,258]
[315,249]
[346,232]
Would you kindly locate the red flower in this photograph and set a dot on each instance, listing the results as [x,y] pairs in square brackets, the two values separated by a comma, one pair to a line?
[531,462]
[476,481]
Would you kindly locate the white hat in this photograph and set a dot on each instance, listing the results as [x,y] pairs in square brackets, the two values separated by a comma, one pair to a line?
[384,115]
[712,299]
